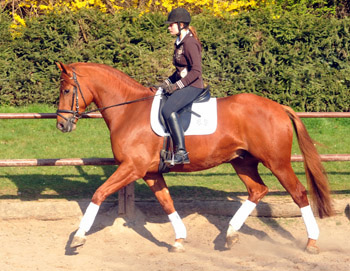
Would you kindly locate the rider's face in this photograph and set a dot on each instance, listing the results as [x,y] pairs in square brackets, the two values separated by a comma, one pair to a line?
[173,28]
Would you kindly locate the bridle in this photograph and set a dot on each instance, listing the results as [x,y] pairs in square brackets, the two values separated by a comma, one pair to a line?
[75,98]
[76,114]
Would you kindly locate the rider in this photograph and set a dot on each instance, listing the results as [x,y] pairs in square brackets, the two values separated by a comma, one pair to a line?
[186,83]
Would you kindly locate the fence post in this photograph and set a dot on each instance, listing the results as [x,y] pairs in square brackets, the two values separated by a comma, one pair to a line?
[126,201]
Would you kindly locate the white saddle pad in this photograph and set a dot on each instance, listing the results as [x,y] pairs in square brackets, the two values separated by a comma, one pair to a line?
[204,124]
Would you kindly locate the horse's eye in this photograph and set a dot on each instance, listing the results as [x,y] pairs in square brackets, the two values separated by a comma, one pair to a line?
[66,91]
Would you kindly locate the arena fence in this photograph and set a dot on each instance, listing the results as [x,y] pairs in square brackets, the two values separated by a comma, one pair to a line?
[126,196]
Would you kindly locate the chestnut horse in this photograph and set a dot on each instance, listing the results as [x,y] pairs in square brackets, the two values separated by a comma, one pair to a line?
[250,130]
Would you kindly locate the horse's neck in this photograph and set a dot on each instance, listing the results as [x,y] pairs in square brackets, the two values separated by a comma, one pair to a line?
[118,94]
[115,93]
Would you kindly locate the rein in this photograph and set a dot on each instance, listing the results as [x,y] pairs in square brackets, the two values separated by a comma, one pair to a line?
[77,115]
[115,105]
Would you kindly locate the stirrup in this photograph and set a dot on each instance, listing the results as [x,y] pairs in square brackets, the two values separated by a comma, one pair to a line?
[179,158]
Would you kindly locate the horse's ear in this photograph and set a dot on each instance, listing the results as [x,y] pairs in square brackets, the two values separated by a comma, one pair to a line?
[64,68]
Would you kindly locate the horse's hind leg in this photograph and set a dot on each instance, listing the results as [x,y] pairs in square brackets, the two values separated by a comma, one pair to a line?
[158,186]
[247,171]
[285,174]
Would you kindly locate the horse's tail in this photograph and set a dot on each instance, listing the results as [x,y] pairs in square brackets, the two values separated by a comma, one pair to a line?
[315,173]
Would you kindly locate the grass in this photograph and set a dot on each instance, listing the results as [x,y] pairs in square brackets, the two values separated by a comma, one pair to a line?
[40,139]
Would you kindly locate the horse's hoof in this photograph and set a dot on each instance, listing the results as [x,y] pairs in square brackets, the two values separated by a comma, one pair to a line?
[231,240]
[177,247]
[77,241]
[311,247]
[312,250]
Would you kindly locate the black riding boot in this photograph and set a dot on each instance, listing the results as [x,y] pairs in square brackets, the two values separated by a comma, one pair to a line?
[177,134]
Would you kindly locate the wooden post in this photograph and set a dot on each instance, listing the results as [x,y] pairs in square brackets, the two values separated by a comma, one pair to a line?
[126,201]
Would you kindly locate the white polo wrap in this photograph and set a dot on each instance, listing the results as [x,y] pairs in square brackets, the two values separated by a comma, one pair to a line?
[312,229]
[178,225]
[89,217]
[242,214]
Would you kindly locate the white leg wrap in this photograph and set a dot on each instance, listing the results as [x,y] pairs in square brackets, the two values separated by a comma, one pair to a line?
[242,214]
[178,225]
[89,217]
[310,222]
[80,233]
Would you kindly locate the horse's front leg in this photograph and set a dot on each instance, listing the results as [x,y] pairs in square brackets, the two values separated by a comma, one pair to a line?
[157,184]
[124,175]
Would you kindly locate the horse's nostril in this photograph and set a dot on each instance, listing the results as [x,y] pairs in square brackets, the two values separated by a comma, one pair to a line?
[66,127]
[60,126]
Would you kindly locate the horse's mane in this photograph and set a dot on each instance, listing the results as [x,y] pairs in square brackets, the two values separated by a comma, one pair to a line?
[121,76]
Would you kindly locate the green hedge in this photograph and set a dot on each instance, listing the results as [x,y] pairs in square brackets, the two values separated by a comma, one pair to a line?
[301,60]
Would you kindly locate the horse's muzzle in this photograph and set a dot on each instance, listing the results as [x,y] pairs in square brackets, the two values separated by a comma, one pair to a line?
[66,126]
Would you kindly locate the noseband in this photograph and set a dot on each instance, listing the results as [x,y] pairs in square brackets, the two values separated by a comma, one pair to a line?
[76,114]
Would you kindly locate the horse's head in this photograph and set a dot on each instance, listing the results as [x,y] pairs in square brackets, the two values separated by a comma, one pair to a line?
[72,100]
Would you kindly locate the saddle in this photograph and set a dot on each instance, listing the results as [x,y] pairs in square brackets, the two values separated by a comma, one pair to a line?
[185,115]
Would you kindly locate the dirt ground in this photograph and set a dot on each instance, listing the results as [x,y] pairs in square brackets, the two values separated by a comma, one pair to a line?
[118,244]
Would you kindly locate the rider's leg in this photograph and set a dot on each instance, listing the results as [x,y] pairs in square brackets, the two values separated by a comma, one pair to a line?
[177,134]
[175,102]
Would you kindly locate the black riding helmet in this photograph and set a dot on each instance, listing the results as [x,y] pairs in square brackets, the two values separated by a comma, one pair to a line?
[179,15]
